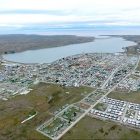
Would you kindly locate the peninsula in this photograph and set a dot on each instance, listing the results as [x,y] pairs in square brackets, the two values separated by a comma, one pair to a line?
[19,43]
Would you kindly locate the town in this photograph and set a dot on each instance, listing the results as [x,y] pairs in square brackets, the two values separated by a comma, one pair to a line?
[105,72]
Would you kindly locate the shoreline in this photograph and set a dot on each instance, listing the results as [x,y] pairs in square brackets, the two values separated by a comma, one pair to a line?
[108,36]
[130,49]
[11,44]
[13,62]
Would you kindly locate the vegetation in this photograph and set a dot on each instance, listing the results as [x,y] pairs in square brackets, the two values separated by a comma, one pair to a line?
[55,124]
[132,96]
[15,110]
[1,66]
[18,43]
[135,48]
[70,113]
[89,128]
[138,68]
[101,106]
[32,112]
[129,113]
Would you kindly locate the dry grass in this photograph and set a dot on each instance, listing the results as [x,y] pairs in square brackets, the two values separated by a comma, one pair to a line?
[91,129]
[125,96]
[15,110]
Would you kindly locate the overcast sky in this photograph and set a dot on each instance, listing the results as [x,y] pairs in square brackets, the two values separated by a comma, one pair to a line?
[21,13]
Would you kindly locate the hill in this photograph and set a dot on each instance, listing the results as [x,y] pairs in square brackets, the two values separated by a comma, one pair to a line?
[19,43]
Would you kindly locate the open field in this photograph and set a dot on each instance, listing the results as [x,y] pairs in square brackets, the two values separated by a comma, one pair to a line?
[101,107]
[43,99]
[135,77]
[1,66]
[138,68]
[133,97]
[90,128]
[19,43]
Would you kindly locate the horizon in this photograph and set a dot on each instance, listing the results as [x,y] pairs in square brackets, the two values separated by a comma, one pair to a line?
[27,16]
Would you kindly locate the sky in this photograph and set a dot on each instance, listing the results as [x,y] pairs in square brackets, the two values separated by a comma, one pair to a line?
[17,14]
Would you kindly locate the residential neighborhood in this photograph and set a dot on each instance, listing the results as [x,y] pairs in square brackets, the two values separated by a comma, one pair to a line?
[103,72]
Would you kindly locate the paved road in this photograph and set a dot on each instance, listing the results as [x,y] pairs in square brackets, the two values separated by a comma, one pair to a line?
[112,74]
[86,112]
[124,112]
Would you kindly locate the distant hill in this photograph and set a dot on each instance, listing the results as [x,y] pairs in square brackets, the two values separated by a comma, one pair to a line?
[18,43]
[133,49]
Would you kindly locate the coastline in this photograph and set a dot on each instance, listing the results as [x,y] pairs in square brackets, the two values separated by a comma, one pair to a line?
[19,43]
[35,63]
[133,49]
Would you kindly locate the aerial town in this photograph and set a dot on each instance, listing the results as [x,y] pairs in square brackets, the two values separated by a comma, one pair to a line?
[103,72]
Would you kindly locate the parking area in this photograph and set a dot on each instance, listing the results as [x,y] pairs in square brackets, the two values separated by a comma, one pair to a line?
[123,112]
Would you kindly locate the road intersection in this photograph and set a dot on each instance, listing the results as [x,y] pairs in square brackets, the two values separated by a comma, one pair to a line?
[98,101]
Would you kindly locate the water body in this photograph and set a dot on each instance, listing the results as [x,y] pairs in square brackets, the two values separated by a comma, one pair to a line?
[100,45]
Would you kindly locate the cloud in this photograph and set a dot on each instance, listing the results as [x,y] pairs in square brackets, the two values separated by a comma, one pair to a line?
[20,13]
[50,12]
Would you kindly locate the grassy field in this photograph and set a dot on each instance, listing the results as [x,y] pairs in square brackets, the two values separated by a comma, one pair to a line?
[19,43]
[43,99]
[53,126]
[130,97]
[1,66]
[135,77]
[138,68]
[101,107]
[90,128]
